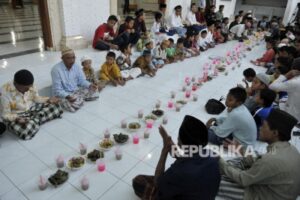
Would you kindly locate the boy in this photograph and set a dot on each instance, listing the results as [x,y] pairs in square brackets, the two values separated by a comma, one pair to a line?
[160,54]
[126,32]
[171,51]
[209,38]
[155,64]
[261,81]
[218,37]
[124,63]
[88,71]
[264,99]
[249,75]
[268,55]
[104,35]
[274,175]
[180,53]
[188,44]
[238,124]
[140,28]
[202,42]
[144,62]
[110,72]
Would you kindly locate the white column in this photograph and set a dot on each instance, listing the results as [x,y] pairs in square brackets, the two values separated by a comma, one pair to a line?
[70,23]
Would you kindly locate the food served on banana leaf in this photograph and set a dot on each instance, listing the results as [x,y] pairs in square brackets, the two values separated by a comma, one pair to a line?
[58,178]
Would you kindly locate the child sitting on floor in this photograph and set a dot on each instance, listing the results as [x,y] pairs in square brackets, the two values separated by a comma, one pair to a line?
[249,75]
[188,44]
[144,62]
[218,37]
[155,64]
[264,99]
[110,72]
[210,37]
[261,81]
[171,51]
[124,63]
[268,55]
[160,54]
[237,124]
[202,42]
[180,52]
[89,72]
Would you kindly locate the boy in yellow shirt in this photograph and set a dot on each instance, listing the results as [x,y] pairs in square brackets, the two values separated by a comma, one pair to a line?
[110,72]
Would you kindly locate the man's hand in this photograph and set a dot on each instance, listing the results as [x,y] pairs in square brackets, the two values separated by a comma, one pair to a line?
[54,100]
[167,140]
[93,87]
[22,120]
[210,122]
[291,74]
[233,144]
[71,98]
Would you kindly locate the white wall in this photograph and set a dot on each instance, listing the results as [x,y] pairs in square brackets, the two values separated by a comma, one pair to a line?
[228,9]
[290,8]
[76,18]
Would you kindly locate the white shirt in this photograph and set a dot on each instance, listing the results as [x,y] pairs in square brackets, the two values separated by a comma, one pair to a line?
[238,30]
[292,87]
[155,27]
[209,37]
[176,21]
[191,18]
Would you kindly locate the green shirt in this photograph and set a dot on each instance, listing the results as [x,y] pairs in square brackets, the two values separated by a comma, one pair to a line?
[170,52]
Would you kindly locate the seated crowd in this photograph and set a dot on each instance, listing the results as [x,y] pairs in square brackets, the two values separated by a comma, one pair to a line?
[266,108]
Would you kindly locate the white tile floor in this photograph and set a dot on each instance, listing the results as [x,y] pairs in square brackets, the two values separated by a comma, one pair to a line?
[22,162]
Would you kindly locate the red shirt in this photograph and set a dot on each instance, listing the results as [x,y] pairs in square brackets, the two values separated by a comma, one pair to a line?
[100,31]
[268,56]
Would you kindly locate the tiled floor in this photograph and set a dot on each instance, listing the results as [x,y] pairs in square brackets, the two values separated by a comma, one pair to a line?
[20,31]
[22,162]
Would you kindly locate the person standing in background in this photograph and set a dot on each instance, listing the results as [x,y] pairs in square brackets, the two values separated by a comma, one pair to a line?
[126,9]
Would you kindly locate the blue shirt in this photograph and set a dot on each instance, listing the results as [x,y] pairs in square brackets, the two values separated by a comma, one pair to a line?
[260,115]
[65,82]
[190,178]
[240,123]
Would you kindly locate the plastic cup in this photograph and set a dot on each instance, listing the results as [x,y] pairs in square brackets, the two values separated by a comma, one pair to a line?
[188,94]
[165,120]
[100,165]
[173,94]
[140,114]
[118,154]
[136,139]
[149,124]
[147,134]
[170,104]
[195,97]
[82,148]
[123,124]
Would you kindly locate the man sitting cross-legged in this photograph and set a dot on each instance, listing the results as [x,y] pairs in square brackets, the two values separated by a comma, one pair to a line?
[274,175]
[69,82]
[23,110]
